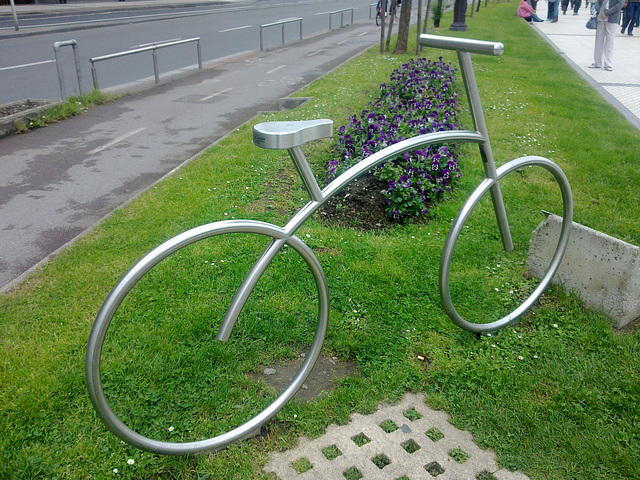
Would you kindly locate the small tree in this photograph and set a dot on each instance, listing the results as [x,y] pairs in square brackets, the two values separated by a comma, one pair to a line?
[392,11]
[403,29]
[438,10]
[425,24]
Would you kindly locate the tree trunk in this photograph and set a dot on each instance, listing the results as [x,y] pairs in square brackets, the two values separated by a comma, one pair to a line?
[403,28]
[426,17]
[392,9]
[383,7]
[418,27]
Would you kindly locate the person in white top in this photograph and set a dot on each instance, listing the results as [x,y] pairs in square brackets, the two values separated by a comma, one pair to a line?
[608,19]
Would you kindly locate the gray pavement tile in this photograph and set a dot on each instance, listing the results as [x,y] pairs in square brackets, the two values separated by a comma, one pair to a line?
[407,440]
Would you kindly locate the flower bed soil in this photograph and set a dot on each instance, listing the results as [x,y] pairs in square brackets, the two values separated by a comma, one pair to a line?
[359,205]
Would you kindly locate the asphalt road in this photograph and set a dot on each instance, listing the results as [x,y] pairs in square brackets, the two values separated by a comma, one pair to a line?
[28,65]
[57,183]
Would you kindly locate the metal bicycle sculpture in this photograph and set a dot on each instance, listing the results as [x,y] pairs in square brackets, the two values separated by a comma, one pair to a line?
[290,136]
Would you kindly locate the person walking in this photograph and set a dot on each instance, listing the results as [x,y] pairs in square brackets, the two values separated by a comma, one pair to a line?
[632,12]
[608,20]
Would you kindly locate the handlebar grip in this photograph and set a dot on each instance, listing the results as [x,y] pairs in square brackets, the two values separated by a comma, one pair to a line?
[462,44]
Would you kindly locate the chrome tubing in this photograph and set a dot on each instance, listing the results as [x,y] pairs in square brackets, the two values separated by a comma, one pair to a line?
[463,215]
[128,281]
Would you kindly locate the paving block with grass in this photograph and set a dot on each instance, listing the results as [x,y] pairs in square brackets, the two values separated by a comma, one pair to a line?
[407,440]
[603,270]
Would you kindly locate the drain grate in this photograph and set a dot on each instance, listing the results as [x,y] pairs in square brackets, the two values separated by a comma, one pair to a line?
[404,441]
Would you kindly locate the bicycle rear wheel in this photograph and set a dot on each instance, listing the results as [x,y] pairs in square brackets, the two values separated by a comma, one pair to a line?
[484,283]
[152,356]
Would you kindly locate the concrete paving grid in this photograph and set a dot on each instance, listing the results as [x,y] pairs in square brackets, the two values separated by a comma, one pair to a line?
[404,441]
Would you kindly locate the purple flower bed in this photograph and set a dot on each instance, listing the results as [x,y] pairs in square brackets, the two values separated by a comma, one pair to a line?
[418,99]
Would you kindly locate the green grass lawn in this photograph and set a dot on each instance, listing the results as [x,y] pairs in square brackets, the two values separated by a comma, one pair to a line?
[556,397]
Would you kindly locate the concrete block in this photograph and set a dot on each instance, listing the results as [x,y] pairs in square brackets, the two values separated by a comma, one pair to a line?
[603,270]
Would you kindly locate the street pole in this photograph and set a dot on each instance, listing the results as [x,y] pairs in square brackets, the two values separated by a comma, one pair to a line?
[15,17]
[459,14]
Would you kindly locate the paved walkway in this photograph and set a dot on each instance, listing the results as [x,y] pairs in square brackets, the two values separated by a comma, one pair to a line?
[621,87]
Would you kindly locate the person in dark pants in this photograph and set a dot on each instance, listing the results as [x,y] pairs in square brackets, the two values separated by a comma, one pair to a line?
[552,12]
[631,13]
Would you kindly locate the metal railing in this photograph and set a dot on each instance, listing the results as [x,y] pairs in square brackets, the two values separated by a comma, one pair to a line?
[341,12]
[282,23]
[56,50]
[151,48]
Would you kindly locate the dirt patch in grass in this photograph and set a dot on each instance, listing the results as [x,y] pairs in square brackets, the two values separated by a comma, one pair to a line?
[322,379]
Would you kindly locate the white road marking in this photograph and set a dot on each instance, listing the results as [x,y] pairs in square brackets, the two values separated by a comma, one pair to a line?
[26,65]
[115,141]
[157,43]
[209,97]
[275,69]
[235,28]
[312,54]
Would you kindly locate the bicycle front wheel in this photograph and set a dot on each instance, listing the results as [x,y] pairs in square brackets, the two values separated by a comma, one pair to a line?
[156,374]
[476,272]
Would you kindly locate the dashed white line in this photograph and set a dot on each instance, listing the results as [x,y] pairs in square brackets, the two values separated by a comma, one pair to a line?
[275,69]
[235,28]
[116,140]
[209,97]
[312,54]
[157,43]
[26,65]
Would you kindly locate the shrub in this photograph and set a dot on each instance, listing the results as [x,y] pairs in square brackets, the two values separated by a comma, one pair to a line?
[419,98]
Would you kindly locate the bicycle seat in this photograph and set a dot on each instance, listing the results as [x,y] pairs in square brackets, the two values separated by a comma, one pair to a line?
[281,135]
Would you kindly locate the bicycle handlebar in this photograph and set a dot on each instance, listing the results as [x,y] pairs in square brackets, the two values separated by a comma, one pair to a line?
[462,44]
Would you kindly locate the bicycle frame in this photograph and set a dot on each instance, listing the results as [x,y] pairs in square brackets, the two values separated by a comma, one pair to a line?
[464,47]
[290,136]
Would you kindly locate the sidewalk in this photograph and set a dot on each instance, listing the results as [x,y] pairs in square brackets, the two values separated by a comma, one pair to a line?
[574,42]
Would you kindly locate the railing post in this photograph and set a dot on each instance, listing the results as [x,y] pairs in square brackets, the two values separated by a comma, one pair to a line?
[199,55]
[78,70]
[282,24]
[94,75]
[56,50]
[60,75]
[155,65]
